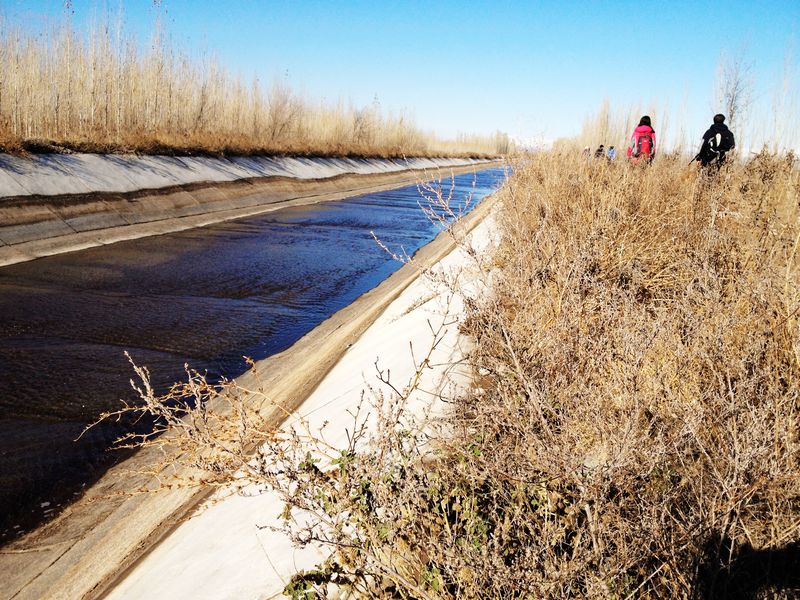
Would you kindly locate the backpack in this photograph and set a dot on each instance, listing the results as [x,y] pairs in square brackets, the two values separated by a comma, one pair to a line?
[728,143]
[714,143]
[642,146]
[721,142]
[718,144]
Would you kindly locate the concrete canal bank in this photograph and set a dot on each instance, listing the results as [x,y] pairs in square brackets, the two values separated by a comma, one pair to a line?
[81,552]
[60,203]
[234,546]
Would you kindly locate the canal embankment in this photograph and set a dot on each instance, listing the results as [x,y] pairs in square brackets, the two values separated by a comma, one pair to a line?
[205,296]
[54,203]
[80,552]
[235,544]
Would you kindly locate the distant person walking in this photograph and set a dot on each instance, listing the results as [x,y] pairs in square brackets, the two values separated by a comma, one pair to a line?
[612,153]
[643,142]
[586,152]
[717,142]
[600,152]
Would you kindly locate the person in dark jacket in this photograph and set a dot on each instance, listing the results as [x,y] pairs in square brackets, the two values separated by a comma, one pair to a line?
[717,142]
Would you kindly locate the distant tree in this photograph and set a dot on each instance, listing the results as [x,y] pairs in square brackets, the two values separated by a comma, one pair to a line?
[734,88]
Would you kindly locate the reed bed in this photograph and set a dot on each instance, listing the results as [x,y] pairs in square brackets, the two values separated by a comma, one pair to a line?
[101,92]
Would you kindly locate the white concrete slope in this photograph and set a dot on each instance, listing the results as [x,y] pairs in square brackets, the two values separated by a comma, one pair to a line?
[224,551]
[55,174]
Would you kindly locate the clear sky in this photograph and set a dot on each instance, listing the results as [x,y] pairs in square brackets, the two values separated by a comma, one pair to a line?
[532,69]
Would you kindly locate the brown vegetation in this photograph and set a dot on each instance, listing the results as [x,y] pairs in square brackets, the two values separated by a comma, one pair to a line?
[643,350]
[633,430]
[103,94]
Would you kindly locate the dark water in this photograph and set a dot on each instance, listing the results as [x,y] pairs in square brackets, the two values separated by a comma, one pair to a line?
[206,296]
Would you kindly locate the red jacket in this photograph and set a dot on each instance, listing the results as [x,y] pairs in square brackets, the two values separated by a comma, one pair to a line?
[639,131]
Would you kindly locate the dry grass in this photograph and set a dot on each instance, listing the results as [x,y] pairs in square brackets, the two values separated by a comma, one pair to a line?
[102,93]
[633,431]
[642,346]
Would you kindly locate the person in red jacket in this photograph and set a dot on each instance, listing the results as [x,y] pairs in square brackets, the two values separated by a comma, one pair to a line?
[643,142]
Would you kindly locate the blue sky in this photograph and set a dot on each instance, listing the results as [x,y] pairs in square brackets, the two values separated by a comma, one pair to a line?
[528,68]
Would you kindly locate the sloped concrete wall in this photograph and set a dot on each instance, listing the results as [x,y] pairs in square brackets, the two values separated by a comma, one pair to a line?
[56,174]
[57,203]
[85,549]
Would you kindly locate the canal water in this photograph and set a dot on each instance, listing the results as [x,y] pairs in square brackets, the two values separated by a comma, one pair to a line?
[206,296]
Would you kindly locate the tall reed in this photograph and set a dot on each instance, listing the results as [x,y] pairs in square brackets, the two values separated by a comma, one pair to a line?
[101,92]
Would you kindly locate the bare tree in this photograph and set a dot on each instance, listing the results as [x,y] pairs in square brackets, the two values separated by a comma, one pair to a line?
[734,87]
[285,109]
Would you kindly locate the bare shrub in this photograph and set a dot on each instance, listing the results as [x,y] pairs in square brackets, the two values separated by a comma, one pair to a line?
[734,88]
[284,112]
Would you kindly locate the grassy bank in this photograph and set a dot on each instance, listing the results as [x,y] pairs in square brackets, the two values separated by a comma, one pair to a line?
[633,427]
[639,433]
[101,92]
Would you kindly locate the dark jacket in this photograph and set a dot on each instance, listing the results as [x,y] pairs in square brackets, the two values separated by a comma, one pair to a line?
[717,142]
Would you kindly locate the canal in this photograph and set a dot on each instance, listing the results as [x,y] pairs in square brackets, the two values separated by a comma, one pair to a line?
[206,297]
